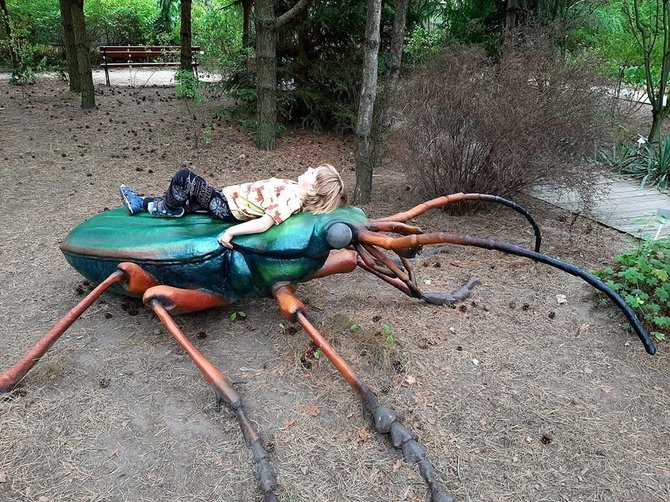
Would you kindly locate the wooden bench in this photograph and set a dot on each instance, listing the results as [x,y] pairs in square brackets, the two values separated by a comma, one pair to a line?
[140,55]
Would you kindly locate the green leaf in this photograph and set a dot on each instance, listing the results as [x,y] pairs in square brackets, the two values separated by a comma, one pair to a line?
[659,336]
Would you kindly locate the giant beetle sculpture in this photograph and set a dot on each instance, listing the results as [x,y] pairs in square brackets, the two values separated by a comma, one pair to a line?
[177,266]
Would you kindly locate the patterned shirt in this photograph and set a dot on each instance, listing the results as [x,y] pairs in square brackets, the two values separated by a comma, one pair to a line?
[275,197]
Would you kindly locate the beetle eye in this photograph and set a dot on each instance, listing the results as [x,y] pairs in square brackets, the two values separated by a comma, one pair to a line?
[339,235]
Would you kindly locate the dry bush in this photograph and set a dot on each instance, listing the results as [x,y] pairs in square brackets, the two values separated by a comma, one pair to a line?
[473,124]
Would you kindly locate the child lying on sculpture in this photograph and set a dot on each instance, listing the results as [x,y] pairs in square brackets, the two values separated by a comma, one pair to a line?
[255,206]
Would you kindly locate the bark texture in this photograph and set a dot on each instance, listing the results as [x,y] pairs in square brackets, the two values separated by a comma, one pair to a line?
[246,22]
[70,46]
[185,61]
[83,55]
[267,25]
[266,75]
[4,13]
[363,188]
[382,121]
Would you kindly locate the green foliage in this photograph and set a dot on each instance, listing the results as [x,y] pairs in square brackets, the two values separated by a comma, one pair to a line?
[188,86]
[36,21]
[642,278]
[318,67]
[649,162]
[131,22]
[120,22]
[474,21]
[607,35]
[420,45]
[219,31]
[238,315]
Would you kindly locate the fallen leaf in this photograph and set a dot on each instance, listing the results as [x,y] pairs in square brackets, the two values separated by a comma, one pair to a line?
[363,435]
[561,299]
[288,424]
[409,380]
[475,362]
[3,476]
[397,464]
[312,409]
[607,389]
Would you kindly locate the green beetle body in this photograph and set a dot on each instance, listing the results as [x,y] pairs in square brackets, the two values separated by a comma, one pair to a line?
[184,252]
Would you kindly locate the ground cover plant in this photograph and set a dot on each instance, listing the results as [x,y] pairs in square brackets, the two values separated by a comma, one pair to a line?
[515,394]
[642,277]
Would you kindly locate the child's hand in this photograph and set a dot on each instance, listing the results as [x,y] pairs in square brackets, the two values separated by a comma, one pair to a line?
[225,238]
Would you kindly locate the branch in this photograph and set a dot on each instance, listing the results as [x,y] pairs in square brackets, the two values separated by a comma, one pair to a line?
[291,13]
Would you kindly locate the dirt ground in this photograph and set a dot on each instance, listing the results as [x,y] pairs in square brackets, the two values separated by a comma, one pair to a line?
[516,396]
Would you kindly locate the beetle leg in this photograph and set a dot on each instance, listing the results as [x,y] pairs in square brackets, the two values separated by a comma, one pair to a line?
[182,301]
[224,391]
[386,420]
[345,261]
[338,262]
[407,278]
[13,375]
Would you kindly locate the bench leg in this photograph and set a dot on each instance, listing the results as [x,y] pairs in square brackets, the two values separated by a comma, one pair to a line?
[107,75]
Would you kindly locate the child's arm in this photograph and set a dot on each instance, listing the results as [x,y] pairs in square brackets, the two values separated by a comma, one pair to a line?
[255,226]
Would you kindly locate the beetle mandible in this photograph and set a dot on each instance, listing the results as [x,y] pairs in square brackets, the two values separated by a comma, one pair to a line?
[177,266]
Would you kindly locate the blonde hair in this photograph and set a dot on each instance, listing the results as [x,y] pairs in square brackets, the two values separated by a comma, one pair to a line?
[328,191]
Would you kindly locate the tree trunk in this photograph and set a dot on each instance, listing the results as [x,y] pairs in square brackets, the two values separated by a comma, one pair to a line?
[4,13]
[70,47]
[382,123]
[246,22]
[648,29]
[267,25]
[656,123]
[363,188]
[511,16]
[186,58]
[266,74]
[83,56]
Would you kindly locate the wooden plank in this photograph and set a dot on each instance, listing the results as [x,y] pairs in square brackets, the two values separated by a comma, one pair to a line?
[622,204]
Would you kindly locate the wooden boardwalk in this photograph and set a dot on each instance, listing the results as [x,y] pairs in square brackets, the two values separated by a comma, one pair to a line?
[620,203]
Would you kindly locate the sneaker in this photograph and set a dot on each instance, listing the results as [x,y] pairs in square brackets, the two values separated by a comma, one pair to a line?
[159,208]
[131,200]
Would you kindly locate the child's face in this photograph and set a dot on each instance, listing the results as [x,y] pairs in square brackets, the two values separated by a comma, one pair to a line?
[307,180]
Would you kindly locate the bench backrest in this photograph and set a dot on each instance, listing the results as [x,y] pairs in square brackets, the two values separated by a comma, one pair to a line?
[128,52]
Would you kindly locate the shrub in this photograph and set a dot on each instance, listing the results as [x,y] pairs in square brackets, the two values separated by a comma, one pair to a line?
[478,125]
[642,278]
